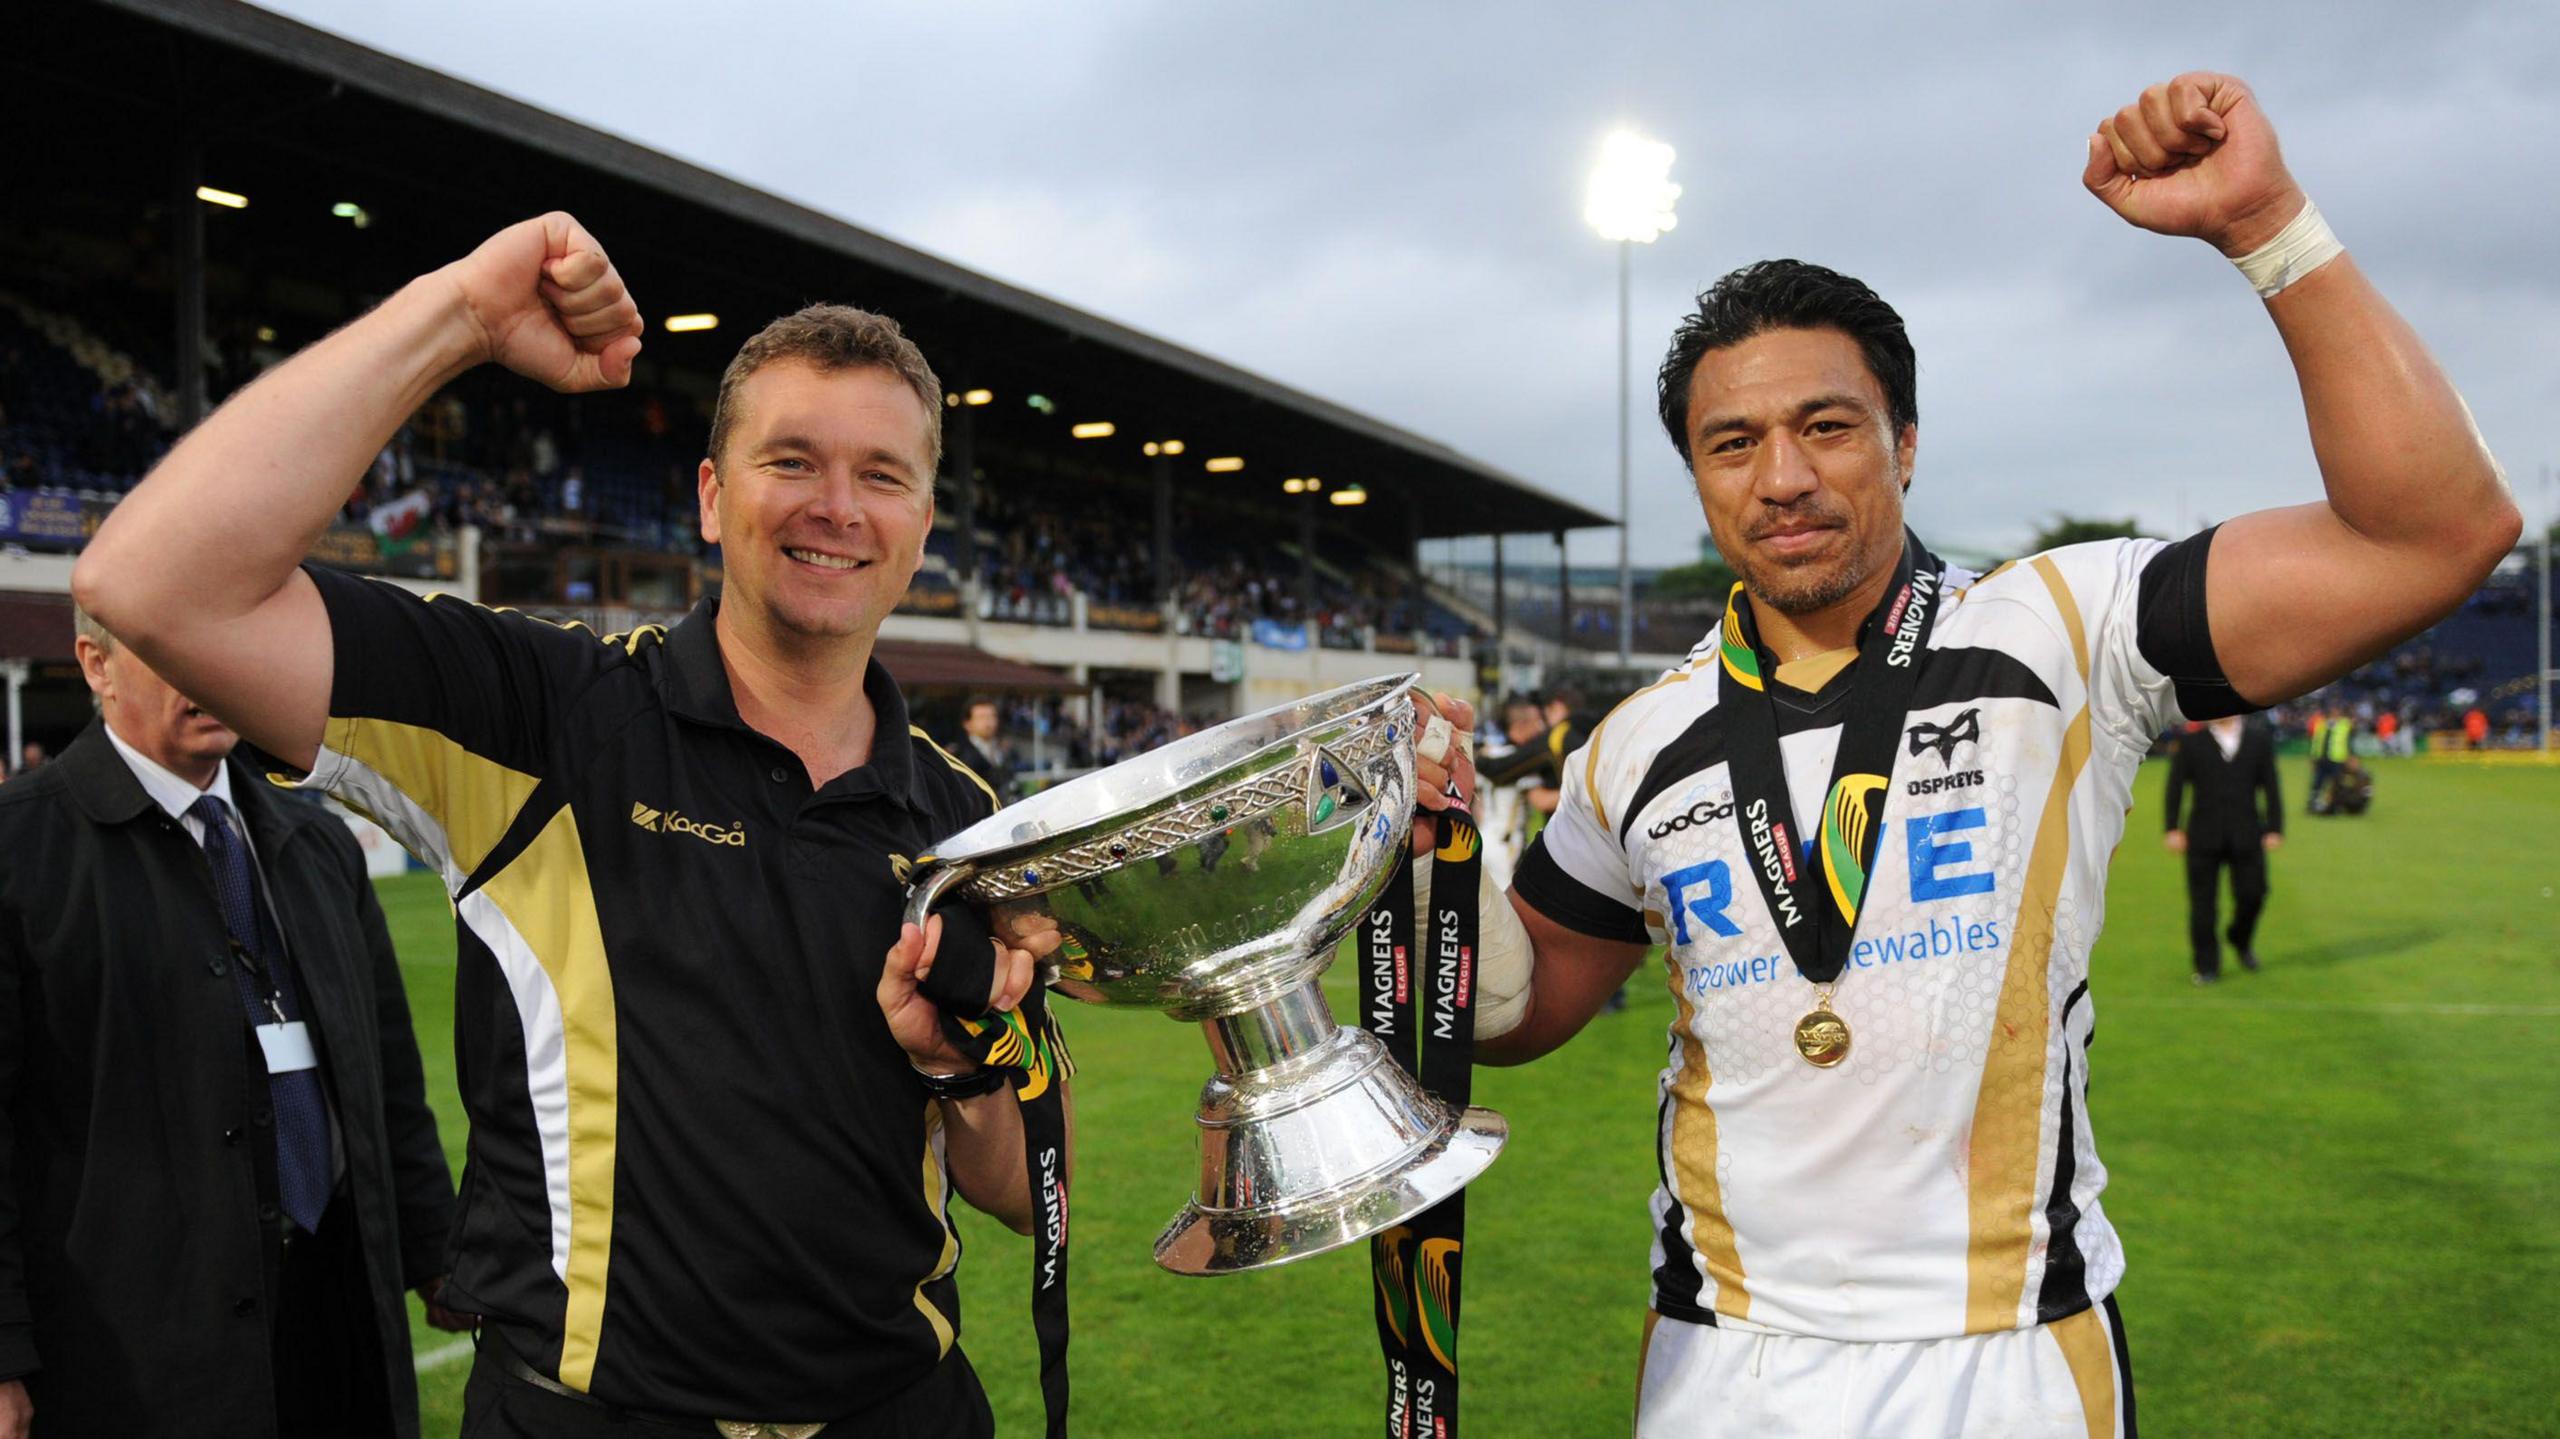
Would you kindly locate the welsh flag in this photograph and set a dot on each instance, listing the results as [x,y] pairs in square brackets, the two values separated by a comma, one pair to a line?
[396,525]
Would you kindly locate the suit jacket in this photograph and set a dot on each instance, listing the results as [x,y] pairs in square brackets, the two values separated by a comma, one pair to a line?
[2226,817]
[999,777]
[136,1147]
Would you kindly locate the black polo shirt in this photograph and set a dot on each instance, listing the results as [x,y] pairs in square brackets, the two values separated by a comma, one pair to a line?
[702,1178]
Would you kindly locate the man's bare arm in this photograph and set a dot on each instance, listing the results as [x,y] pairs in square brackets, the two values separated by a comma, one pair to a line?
[2417,512]
[1572,976]
[196,570]
[983,1138]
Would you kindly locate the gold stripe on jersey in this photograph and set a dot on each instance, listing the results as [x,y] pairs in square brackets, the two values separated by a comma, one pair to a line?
[472,798]
[937,1196]
[547,894]
[1693,1164]
[1591,749]
[954,761]
[2086,1348]
[2008,1108]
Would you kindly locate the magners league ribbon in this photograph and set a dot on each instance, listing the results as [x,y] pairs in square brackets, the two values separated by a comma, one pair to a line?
[1421,1005]
[1025,1045]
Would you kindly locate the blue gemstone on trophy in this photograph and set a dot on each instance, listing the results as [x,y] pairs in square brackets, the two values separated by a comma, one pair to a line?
[1326,774]
[1031,876]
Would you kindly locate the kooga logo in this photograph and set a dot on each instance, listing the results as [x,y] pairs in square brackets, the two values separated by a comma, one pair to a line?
[1705,811]
[674,822]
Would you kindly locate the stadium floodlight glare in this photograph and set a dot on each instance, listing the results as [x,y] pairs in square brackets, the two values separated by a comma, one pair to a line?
[266,334]
[1349,495]
[686,324]
[1293,486]
[977,397]
[1173,447]
[1043,404]
[1152,449]
[1095,430]
[1225,465]
[1631,193]
[225,198]
[1314,484]
[351,211]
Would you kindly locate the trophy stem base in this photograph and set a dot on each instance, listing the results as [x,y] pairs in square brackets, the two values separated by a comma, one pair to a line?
[1311,1138]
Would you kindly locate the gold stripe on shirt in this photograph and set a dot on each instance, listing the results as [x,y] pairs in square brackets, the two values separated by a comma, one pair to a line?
[937,1196]
[2008,1108]
[1693,1164]
[473,799]
[954,761]
[1591,749]
[548,895]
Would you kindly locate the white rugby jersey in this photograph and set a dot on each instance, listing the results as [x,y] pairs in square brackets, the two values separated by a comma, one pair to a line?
[1943,1179]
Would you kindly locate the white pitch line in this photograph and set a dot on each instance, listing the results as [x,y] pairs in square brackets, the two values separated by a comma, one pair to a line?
[445,1357]
[2520,1011]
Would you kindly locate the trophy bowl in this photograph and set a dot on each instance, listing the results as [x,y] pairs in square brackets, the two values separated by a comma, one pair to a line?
[1211,879]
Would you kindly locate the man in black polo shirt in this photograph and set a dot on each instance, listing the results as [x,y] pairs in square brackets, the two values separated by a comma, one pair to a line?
[713,1133]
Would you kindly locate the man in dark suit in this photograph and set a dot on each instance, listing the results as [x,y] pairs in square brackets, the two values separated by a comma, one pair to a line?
[2230,764]
[220,1168]
[981,751]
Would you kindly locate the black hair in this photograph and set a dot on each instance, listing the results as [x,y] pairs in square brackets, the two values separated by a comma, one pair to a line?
[1788,295]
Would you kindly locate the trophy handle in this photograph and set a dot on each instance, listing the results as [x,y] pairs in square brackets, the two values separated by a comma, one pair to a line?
[925,895]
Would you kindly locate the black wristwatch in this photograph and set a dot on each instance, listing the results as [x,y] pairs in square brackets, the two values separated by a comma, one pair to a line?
[969,1085]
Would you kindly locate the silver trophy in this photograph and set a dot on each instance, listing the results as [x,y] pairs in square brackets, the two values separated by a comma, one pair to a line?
[1212,879]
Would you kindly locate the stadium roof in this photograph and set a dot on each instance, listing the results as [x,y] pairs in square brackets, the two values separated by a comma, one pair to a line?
[361,113]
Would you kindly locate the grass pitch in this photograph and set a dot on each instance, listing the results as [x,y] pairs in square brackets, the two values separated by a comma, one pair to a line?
[2338,1180]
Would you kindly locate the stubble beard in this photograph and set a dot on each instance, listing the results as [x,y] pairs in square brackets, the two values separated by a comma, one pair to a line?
[1810,588]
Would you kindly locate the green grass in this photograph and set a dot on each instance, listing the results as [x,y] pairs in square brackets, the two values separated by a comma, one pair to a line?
[2338,1180]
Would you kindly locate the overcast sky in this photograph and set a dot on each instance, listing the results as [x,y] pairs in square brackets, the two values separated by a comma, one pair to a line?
[1382,204]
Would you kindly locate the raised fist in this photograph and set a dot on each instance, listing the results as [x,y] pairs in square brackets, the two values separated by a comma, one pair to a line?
[549,305]
[2196,157]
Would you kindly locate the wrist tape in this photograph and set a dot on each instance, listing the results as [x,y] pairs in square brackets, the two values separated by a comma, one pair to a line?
[2305,244]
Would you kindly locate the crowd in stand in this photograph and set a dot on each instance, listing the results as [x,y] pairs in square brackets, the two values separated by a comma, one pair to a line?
[1122,729]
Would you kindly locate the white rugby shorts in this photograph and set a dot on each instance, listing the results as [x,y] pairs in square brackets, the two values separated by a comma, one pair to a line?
[2065,1380]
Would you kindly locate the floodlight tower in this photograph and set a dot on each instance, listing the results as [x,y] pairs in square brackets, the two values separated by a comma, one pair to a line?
[1629,201]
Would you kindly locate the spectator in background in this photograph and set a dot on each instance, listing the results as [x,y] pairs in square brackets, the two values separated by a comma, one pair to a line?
[224,1171]
[30,756]
[2228,764]
[981,751]
[2475,727]
[2331,739]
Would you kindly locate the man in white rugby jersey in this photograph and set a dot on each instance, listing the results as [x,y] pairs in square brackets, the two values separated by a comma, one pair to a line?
[1870,819]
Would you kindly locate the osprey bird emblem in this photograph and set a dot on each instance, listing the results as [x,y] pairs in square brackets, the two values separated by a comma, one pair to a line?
[1967,729]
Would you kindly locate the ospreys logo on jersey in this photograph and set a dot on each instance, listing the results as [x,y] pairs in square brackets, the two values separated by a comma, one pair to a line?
[1965,728]
[1846,817]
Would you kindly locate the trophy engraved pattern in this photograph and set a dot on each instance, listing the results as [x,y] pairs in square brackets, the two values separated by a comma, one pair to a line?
[1182,825]
[1365,748]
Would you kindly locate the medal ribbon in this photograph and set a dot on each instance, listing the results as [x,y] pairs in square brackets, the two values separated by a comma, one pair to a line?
[1025,1045]
[1818,914]
[1422,1007]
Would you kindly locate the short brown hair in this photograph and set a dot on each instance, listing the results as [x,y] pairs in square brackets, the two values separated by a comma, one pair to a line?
[832,338]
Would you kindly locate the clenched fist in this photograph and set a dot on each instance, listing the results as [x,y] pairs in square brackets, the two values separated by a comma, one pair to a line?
[2196,157]
[548,305]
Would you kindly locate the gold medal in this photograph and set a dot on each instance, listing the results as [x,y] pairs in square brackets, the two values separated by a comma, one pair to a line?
[1822,1037]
